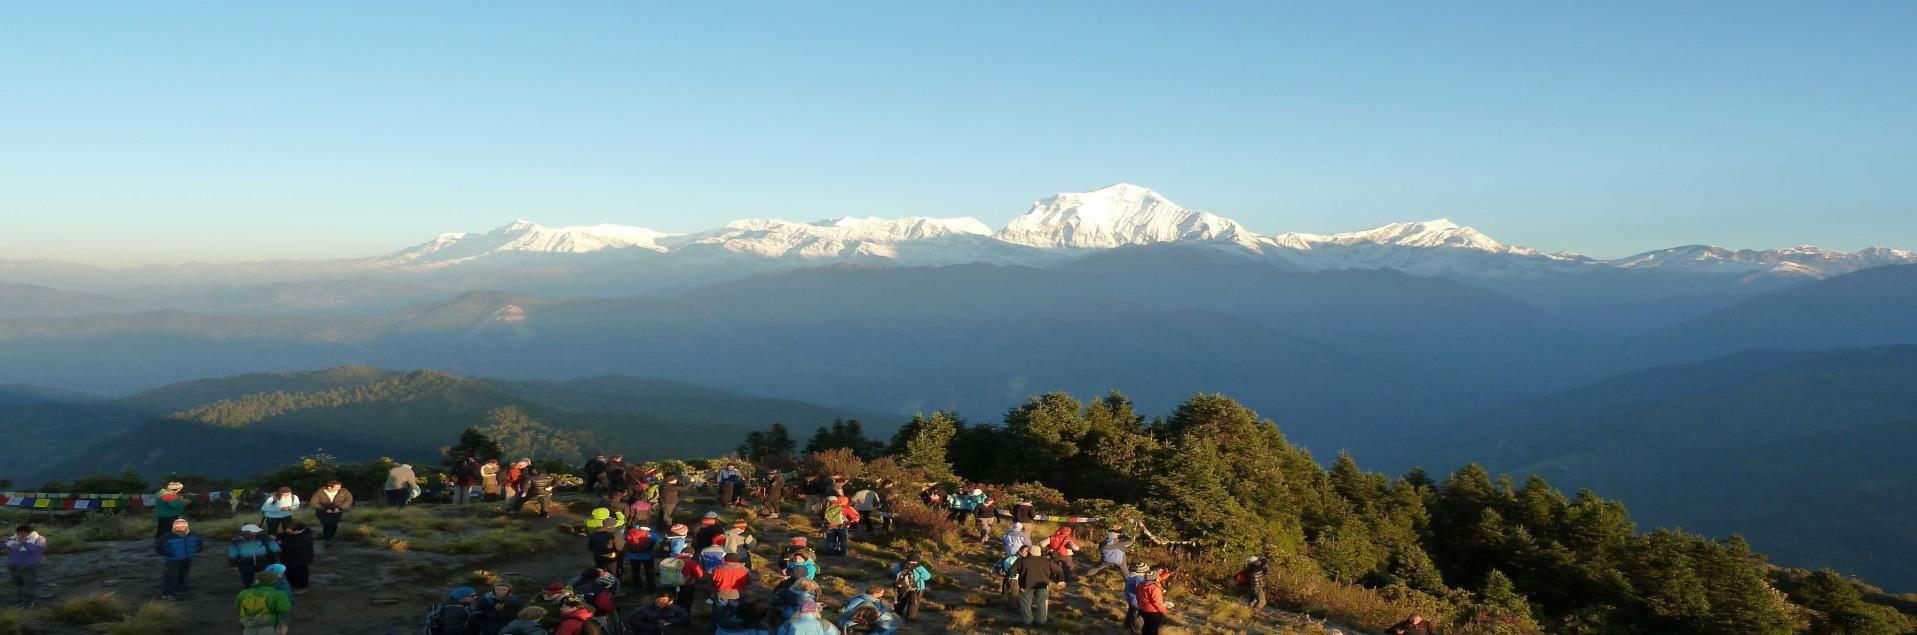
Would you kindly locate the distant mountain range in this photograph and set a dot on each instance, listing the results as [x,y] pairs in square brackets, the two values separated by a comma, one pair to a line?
[615,260]
[243,425]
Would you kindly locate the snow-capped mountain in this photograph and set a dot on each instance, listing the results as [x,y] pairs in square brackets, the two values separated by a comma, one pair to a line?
[522,237]
[1803,261]
[1068,225]
[1122,214]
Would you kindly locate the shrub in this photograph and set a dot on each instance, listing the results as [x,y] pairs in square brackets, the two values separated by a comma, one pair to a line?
[837,461]
[109,526]
[14,622]
[916,521]
[66,542]
[92,608]
[153,618]
[1037,493]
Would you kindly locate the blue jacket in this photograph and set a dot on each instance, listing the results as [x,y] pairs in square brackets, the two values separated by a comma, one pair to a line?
[177,546]
[807,624]
[1131,589]
[852,607]
[1014,540]
[258,550]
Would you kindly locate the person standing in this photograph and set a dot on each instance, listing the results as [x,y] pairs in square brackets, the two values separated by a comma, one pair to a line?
[1253,578]
[177,548]
[296,552]
[593,468]
[1152,606]
[774,490]
[169,504]
[729,583]
[1015,540]
[330,504]
[986,513]
[1036,575]
[465,480]
[250,552]
[1132,621]
[838,517]
[668,501]
[909,579]
[489,479]
[616,474]
[539,488]
[641,553]
[26,550]
[1414,625]
[263,610]
[400,483]
[279,508]
[887,505]
[866,501]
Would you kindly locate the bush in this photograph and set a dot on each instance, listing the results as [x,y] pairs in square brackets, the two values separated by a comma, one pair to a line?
[1045,498]
[837,461]
[153,618]
[66,542]
[105,526]
[14,622]
[962,618]
[92,608]
[916,521]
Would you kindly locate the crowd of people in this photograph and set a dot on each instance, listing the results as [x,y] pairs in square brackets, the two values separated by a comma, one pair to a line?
[647,567]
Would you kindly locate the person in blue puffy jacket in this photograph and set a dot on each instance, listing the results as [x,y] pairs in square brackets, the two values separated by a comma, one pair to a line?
[177,549]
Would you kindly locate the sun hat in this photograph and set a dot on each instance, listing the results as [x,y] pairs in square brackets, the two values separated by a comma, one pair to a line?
[250,528]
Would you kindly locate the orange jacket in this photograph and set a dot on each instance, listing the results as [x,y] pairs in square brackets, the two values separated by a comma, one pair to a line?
[1151,597]
[731,576]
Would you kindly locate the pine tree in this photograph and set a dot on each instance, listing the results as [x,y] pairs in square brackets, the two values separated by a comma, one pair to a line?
[930,441]
[473,444]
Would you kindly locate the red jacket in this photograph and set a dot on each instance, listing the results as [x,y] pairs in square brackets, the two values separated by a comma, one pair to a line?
[574,621]
[732,576]
[1059,540]
[1151,597]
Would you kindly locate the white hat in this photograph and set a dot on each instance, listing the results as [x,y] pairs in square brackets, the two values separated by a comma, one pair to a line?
[250,529]
[1019,526]
[978,492]
[1251,559]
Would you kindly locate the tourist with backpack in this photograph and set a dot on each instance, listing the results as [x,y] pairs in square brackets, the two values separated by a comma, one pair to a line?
[458,614]
[1008,577]
[739,540]
[330,504]
[801,564]
[250,552]
[713,556]
[263,610]
[986,514]
[1037,573]
[597,588]
[661,617]
[909,581]
[679,574]
[594,467]
[838,517]
[708,531]
[400,483]
[774,491]
[866,613]
[279,508]
[729,582]
[1015,539]
[807,622]
[577,618]
[605,543]
[169,504]
[1133,623]
[553,600]
[177,549]
[1252,579]
[1152,606]
[26,551]
[465,480]
[668,500]
[641,555]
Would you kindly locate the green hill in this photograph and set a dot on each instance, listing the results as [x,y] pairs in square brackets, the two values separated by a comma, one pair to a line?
[240,425]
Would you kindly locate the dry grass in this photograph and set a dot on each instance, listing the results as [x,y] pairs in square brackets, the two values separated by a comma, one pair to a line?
[109,526]
[153,618]
[14,622]
[961,619]
[63,542]
[92,608]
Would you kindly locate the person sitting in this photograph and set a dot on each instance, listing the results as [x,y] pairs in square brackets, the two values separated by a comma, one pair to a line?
[866,613]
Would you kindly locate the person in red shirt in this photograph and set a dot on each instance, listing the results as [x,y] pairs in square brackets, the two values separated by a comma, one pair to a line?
[1151,603]
[574,619]
[729,583]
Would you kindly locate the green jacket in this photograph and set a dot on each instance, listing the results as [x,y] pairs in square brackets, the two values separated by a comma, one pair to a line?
[276,604]
[168,504]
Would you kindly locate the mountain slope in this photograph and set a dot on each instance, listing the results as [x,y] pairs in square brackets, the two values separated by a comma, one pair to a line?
[1865,308]
[30,300]
[1802,452]
[240,425]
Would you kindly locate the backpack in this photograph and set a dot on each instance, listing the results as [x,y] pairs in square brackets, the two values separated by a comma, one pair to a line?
[865,618]
[907,579]
[444,619]
[1242,579]
[254,611]
[672,572]
[835,515]
[711,559]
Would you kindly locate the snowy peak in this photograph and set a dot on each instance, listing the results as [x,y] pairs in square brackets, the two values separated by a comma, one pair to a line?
[1801,261]
[1432,233]
[1122,214]
[844,237]
[523,237]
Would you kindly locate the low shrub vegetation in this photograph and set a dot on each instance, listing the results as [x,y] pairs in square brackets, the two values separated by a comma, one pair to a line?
[92,608]
[153,618]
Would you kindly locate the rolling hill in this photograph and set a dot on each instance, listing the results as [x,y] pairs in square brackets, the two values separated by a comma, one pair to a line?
[1804,453]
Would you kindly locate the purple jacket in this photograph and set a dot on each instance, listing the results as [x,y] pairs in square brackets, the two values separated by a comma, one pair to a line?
[26,553]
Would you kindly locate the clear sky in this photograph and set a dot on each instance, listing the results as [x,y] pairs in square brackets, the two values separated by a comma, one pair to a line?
[142,132]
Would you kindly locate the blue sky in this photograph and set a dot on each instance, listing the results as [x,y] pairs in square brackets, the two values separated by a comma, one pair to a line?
[195,131]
